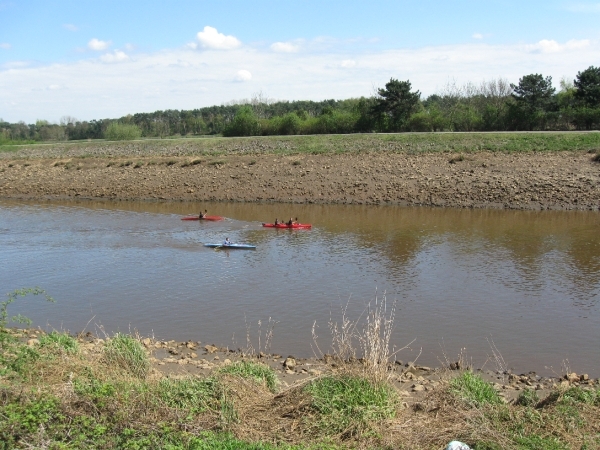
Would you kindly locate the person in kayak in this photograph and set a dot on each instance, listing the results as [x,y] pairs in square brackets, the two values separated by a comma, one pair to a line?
[226,242]
[290,222]
[276,221]
[202,215]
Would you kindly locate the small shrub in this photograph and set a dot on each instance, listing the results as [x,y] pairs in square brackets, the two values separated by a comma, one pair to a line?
[251,163]
[349,404]
[260,373]
[474,390]
[596,158]
[138,165]
[296,163]
[528,398]
[61,341]
[27,415]
[122,132]
[171,162]
[126,163]
[127,353]
[216,163]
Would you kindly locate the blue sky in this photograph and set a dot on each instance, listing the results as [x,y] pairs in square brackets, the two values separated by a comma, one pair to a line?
[97,59]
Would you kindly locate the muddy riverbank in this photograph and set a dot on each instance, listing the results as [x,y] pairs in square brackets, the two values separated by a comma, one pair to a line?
[533,181]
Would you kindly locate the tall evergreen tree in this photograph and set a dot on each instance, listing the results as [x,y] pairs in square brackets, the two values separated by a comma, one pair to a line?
[396,103]
[588,87]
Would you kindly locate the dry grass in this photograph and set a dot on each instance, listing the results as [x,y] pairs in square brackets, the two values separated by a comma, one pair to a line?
[363,344]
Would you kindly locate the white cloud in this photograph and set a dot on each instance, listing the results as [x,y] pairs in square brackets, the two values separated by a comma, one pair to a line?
[551,46]
[70,27]
[348,63]
[184,79]
[53,87]
[98,45]
[5,45]
[212,39]
[243,75]
[284,47]
[116,56]
[477,36]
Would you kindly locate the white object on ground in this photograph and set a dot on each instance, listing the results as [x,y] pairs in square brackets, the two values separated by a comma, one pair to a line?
[457,445]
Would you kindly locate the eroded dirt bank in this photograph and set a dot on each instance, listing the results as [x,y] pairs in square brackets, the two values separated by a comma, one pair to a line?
[562,180]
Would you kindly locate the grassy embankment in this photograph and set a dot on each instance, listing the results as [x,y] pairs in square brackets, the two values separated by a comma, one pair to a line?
[412,143]
[57,391]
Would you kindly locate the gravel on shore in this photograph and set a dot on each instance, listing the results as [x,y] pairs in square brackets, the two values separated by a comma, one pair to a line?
[566,180]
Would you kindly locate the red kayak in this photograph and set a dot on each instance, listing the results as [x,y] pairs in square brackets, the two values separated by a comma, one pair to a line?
[204,218]
[285,225]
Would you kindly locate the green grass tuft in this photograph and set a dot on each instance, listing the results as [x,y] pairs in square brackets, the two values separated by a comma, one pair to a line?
[474,390]
[190,394]
[61,341]
[578,395]
[535,442]
[260,373]
[349,404]
[528,398]
[127,353]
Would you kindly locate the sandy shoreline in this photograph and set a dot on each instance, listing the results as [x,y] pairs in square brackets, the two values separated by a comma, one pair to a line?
[528,181]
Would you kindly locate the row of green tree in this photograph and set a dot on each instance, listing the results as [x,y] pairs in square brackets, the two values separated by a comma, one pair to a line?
[497,105]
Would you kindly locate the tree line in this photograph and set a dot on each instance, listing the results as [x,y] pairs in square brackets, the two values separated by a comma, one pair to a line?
[496,105]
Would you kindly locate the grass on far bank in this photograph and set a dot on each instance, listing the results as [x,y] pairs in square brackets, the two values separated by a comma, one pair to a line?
[411,143]
[59,391]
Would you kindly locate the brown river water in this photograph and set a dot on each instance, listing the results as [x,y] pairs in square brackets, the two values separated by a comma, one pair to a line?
[527,281]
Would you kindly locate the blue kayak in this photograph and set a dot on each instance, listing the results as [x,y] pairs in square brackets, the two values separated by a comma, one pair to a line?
[232,246]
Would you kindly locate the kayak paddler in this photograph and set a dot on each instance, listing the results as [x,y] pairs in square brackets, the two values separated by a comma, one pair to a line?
[290,222]
[276,221]
[202,215]
[226,242]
